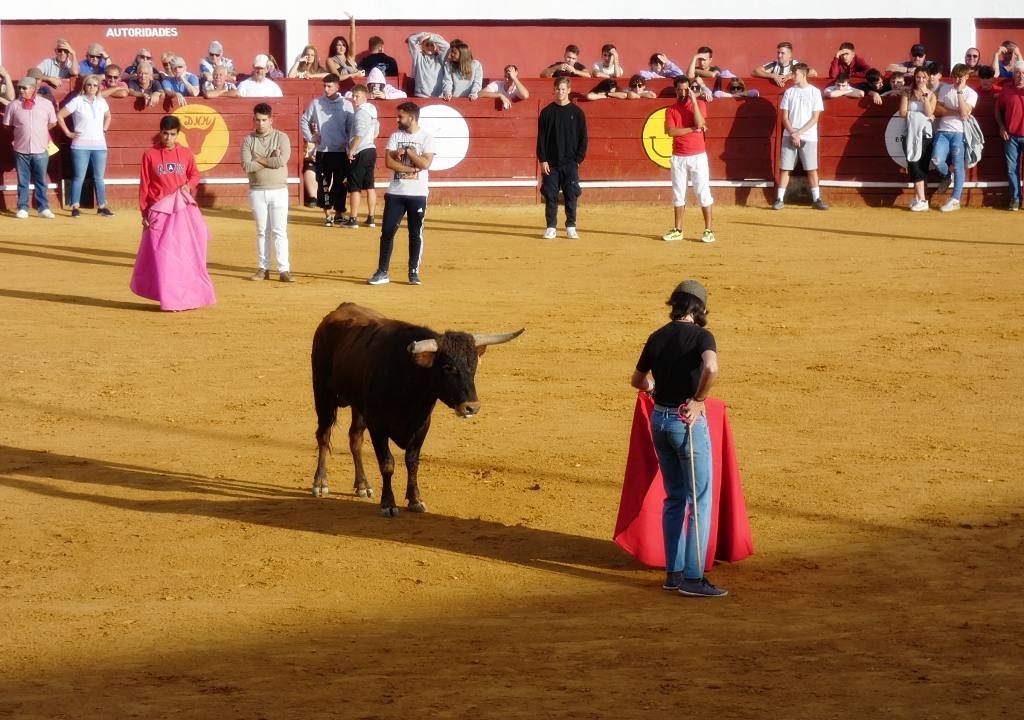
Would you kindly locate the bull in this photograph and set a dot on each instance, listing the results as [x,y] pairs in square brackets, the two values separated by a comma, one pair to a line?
[391,373]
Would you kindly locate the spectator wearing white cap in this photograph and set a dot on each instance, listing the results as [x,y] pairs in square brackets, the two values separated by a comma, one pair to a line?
[63,64]
[94,62]
[181,84]
[31,122]
[258,84]
[215,58]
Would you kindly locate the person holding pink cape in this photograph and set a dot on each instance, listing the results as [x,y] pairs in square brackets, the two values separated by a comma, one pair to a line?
[171,263]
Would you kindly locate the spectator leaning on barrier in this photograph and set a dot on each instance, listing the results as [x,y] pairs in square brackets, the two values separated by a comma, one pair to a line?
[638,89]
[700,65]
[31,122]
[1010,119]
[847,61]
[95,60]
[326,126]
[509,91]
[780,70]
[568,66]
[918,57]
[258,84]
[972,58]
[800,109]
[90,117]
[1007,54]
[63,64]
[874,85]
[607,88]
[145,85]
[917,106]
[215,58]
[609,65]
[219,85]
[362,158]
[266,153]
[307,65]
[685,123]
[182,84]
[464,76]
[659,66]
[897,84]
[561,148]
[378,59]
[113,85]
[842,88]
[955,104]
[6,87]
[428,52]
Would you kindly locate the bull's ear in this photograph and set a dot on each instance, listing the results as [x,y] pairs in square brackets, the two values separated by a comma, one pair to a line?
[424,359]
[481,350]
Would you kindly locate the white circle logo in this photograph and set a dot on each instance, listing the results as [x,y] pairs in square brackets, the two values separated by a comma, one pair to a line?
[895,132]
[451,135]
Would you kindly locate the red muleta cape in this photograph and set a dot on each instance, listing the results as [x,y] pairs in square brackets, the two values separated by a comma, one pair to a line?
[638,527]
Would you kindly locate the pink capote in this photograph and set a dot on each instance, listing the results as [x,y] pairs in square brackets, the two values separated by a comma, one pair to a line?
[171,264]
[638,527]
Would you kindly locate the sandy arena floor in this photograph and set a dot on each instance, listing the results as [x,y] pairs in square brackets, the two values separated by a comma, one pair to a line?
[161,556]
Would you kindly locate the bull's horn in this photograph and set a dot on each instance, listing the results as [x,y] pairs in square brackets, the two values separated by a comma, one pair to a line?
[482,340]
[423,346]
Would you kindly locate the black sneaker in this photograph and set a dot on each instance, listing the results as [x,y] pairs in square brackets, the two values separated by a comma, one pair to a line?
[819,204]
[700,588]
[310,202]
[351,223]
[379,278]
[369,221]
[105,212]
[75,212]
[944,184]
[414,278]
[329,221]
[672,581]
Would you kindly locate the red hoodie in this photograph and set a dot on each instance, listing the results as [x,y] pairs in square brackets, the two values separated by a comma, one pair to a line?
[163,172]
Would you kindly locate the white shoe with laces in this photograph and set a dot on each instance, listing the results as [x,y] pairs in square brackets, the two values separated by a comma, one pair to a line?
[950,206]
[919,205]
[549,234]
[47,213]
[570,232]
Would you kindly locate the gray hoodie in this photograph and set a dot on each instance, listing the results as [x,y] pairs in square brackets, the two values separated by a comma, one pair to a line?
[333,118]
[428,70]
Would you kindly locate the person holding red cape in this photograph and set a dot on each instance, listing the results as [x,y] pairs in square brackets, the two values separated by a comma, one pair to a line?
[171,263]
[682,358]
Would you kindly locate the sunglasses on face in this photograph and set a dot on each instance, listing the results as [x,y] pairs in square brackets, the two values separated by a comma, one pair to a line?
[94,57]
[215,54]
[144,57]
[113,77]
[973,55]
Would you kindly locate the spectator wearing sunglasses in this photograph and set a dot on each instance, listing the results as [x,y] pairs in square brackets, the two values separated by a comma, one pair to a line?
[181,84]
[113,85]
[918,57]
[638,89]
[95,61]
[737,89]
[145,85]
[972,58]
[62,66]
[215,58]
[142,56]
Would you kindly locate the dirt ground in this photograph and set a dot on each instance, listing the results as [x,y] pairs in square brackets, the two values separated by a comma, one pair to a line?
[161,554]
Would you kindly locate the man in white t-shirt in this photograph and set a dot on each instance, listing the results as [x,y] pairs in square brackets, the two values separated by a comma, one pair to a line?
[799,110]
[258,84]
[410,151]
[955,104]
[507,92]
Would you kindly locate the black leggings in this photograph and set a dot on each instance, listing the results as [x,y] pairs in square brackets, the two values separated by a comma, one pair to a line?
[331,171]
[414,207]
[918,169]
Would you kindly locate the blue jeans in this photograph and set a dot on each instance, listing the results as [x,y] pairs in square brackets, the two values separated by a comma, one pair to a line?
[1012,150]
[81,159]
[672,443]
[950,146]
[33,164]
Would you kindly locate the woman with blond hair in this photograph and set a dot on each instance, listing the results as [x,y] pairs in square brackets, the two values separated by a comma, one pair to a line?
[307,64]
[464,76]
[90,117]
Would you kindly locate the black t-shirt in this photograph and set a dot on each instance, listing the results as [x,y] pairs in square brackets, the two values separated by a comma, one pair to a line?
[868,87]
[673,355]
[383,62]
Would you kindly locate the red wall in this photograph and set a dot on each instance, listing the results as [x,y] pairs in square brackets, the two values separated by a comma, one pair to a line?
[738,46]
[26,44]
[990,33]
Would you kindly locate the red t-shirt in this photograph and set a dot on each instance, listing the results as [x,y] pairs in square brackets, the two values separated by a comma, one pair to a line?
[1011,102]
[163,172]
[680,115]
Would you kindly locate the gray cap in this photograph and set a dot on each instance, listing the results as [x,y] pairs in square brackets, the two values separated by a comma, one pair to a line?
[27,82]
[216,47]
[692,287]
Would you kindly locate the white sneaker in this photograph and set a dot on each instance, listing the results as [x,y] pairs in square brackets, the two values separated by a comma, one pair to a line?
[549,234]
[919,205]
[21,214]
[950,206]
[47,213]
[570,232]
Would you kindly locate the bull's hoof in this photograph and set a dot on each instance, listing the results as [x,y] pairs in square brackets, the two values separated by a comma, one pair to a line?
[364,492]
[389,512]
[320,491]
[418,507]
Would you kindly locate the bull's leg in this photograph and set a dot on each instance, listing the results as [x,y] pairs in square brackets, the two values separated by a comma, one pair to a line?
[386,461]
[326,414]
[412,465]
[355,444]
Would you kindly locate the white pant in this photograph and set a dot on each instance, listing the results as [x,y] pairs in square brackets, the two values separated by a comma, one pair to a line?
[695,168]
[271,206]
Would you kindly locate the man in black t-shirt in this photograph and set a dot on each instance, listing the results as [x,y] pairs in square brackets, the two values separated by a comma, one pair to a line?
[378,59]
[561,147]
[569,66]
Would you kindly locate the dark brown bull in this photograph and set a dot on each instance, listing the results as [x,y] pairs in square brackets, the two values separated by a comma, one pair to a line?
[391,373]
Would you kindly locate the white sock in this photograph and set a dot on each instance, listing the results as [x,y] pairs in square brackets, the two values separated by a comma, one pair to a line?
[780,193]
[815,193]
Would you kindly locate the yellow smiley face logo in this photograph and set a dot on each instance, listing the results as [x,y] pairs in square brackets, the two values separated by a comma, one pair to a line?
[204,132]
[657,144]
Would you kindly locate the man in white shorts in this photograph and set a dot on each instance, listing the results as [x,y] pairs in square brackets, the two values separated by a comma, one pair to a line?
[684,123]
[800,109]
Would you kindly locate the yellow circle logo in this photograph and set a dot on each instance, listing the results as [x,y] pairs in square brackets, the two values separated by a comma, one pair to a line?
[657,144]
[204,132]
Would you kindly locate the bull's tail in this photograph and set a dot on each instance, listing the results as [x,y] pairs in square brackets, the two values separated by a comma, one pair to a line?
[323,395]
